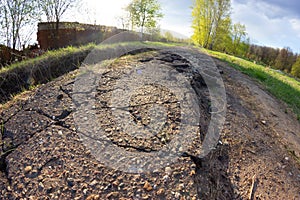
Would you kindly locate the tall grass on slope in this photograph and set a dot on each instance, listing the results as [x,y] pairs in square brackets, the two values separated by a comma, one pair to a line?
[48,56]
[23,75]
[280,85]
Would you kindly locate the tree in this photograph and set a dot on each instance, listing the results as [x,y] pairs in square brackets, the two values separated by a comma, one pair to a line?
[296,68]
[209,18]
[169,36]
[222,16]
[292,58]
[202,22]
[239,34]
[144,13]
[15,16]
[124,21]
[54,10]
[223,41]
[285,60]
[155,34]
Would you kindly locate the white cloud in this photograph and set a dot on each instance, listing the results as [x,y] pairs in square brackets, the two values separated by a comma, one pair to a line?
[104,12]
[295,23]
[267,24]
[177,14]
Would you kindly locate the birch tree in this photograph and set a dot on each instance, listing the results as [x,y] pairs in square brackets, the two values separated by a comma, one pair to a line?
[144,13]
[15,16]
[209,18]
[238,36]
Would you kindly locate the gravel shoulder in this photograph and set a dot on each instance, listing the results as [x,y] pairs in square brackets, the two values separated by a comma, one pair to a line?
[43,157]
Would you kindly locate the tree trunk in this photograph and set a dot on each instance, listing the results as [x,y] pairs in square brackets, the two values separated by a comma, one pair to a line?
[56,34]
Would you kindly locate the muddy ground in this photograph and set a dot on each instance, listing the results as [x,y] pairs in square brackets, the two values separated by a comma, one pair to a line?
[43,155]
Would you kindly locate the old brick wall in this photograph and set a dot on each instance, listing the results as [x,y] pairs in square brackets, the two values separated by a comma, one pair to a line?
[72,33]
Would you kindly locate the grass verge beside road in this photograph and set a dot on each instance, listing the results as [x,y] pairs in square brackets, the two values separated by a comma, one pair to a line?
[282,86]
[24,75]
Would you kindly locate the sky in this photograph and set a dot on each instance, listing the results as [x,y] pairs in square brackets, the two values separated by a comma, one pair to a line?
[274,23]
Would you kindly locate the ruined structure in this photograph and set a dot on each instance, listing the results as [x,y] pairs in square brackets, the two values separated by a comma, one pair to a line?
[72,33]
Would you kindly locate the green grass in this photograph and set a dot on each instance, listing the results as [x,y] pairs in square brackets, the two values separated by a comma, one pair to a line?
[58,54]
[49,55]
[280,85]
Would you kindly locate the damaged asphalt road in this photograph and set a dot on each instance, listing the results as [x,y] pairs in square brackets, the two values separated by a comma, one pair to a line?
[44,152]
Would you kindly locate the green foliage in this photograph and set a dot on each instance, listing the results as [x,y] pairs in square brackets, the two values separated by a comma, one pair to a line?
[239,46]
[210,21]
[48,57]
[296,68]
[223,37]
[213,28]
[169,36]
[52,55]
[144,13]
[281,59]
[155,34]
[280,85]
[285,60]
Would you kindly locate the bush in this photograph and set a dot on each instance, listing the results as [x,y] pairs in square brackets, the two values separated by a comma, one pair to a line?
[296,68]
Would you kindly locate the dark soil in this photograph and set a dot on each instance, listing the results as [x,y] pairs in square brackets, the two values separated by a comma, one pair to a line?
[43,155]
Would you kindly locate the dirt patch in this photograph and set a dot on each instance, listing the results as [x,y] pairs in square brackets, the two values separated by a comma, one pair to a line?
[264,140]
[256,158]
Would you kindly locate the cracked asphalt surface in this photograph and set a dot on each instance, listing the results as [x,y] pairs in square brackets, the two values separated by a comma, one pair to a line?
[43,155]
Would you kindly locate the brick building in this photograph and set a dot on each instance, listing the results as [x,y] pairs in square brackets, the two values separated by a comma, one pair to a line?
[72,33]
